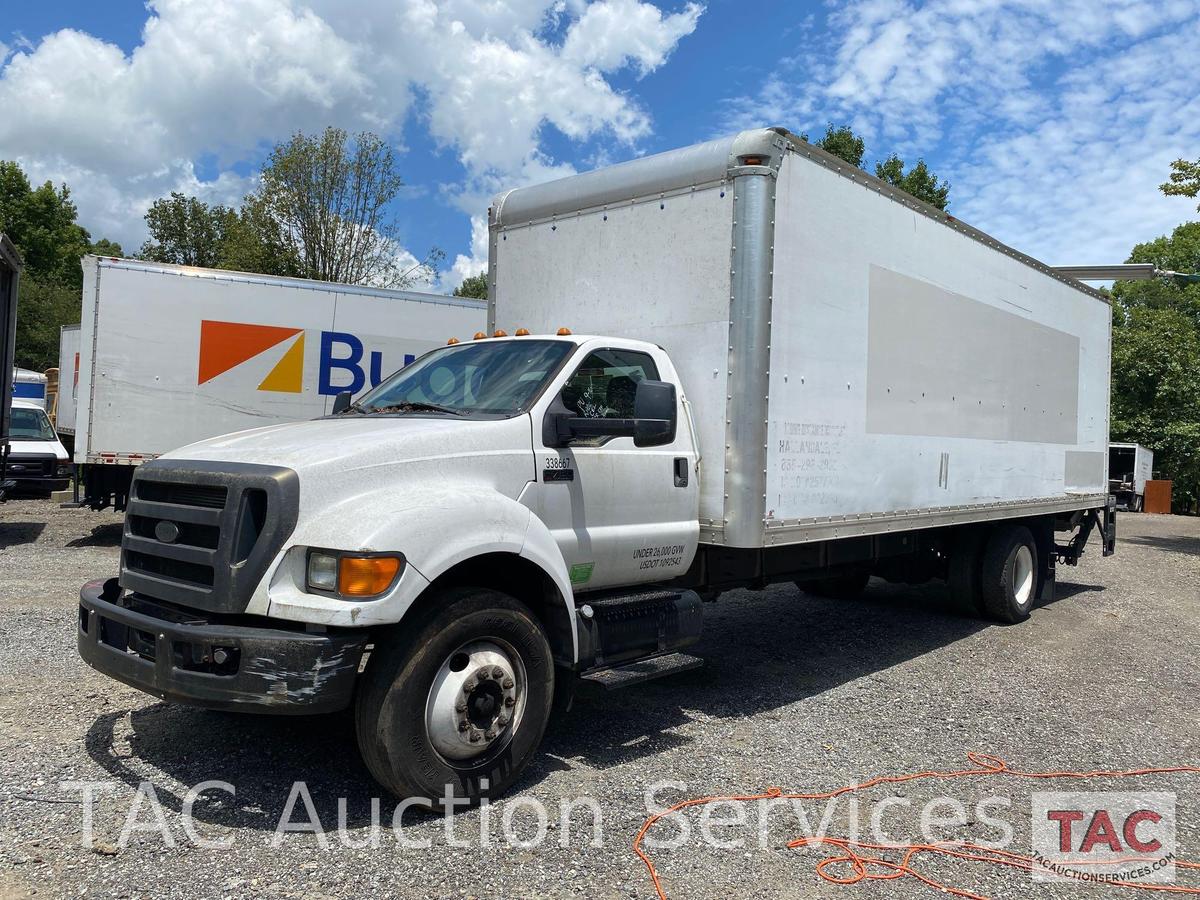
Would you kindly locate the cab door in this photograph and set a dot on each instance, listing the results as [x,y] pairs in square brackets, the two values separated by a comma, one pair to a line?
[620,514]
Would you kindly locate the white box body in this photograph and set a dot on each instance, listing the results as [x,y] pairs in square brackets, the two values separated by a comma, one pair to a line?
[169,355]
[856,362]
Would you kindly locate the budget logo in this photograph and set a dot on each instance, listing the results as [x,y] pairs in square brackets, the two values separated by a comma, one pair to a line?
[227,345]
[224,345]
[1107,837]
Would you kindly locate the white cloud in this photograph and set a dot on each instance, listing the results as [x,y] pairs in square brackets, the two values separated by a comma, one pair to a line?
[1055,120]
[220,79]
[612,33]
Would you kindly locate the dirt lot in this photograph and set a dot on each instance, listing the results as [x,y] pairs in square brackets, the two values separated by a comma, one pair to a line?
[798,692]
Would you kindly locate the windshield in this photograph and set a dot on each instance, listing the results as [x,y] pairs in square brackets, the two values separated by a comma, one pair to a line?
[492,378]
[30,425]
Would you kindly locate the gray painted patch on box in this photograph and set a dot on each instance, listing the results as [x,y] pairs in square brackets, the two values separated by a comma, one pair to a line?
[1084,469]
[940,364]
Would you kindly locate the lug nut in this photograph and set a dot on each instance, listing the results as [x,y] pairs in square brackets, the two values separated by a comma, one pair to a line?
[491,733]
[460,706]
[502,720]
[463,726]
[475,737]
[508,684]
[509,701]
[468,686]
[497,673]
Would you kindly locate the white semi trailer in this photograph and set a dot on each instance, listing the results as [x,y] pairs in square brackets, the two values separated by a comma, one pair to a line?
[730,365]
[166,355]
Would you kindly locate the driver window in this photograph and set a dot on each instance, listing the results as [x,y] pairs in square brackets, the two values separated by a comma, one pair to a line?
[604,385]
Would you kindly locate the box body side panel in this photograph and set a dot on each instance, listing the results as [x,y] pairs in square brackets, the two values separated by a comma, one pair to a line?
[176,359]
[915,369]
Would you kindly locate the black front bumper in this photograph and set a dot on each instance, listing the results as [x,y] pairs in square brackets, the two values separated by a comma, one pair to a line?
[183,657]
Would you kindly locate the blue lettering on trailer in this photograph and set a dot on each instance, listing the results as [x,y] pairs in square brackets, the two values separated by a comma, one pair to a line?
[349,359]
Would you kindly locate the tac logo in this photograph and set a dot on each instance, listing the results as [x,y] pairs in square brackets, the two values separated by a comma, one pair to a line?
[1110,837]
[227,345]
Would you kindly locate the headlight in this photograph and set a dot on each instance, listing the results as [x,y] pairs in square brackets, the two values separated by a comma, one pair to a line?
[349,575]
[322,571]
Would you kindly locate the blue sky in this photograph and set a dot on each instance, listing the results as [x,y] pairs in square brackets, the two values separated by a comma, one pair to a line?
[1054,121]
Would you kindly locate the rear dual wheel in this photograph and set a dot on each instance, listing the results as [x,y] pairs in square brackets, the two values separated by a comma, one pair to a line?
[994,573]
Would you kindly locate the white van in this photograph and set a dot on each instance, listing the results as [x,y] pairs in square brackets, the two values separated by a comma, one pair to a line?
[37,460]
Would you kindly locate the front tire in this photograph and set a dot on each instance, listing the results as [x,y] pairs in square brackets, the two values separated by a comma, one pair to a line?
[456,702]
[1009,574]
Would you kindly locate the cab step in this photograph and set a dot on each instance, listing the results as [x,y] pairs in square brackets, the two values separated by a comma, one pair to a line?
[641,670]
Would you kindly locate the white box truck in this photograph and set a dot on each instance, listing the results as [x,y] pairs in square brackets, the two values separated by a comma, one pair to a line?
[725,366]
[68,381]
[172,354]
[1130,466]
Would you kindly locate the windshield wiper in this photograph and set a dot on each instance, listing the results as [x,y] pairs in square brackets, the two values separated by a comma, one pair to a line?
[413,406]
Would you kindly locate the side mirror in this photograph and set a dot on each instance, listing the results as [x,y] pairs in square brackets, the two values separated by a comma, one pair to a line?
[653,422]
[341,402]
[654,414]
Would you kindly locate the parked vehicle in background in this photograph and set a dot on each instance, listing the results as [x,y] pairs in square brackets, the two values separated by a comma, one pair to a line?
[37,461]
[68,385]
[1130,466]
[166,355]
[10,277]
[730,365]
[29,385]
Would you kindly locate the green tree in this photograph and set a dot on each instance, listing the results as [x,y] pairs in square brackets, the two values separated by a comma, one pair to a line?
[1177,252]
[253,243]
[331,201]
[43,307]
[473,286]
[105,247]
[842,142]
[918,180]
[1156,394]
[186,231]
[1184,179]
[41,223]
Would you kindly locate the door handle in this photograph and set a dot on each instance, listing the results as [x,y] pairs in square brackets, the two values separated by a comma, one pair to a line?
[681,471]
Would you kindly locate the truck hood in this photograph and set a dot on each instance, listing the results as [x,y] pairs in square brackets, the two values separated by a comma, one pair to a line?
[38,448]
[334,447]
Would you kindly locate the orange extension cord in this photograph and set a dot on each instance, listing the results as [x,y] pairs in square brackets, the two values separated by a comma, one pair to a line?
[864,867]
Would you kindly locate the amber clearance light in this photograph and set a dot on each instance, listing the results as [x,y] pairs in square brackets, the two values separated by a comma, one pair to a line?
[366,576]
[352,576]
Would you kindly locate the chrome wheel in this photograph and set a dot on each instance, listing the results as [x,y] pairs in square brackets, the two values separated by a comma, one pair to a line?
[476,700]
[1022,576]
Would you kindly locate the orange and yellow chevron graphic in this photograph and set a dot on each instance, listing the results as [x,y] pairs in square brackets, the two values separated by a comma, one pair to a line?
[224,345]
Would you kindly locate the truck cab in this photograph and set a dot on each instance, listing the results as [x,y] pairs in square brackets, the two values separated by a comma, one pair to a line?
[462,510]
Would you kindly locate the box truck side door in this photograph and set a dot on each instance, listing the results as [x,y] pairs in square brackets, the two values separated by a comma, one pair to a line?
[621,514]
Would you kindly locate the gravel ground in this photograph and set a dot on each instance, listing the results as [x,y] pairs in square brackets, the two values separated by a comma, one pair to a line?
[797,692]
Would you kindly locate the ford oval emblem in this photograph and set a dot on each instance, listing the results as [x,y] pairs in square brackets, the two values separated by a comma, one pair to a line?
[167,532]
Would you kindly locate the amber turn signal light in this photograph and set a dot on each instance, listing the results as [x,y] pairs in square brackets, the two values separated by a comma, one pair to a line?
[451,342]
[521,332]
[366,576]
[479,335]
[563,332]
